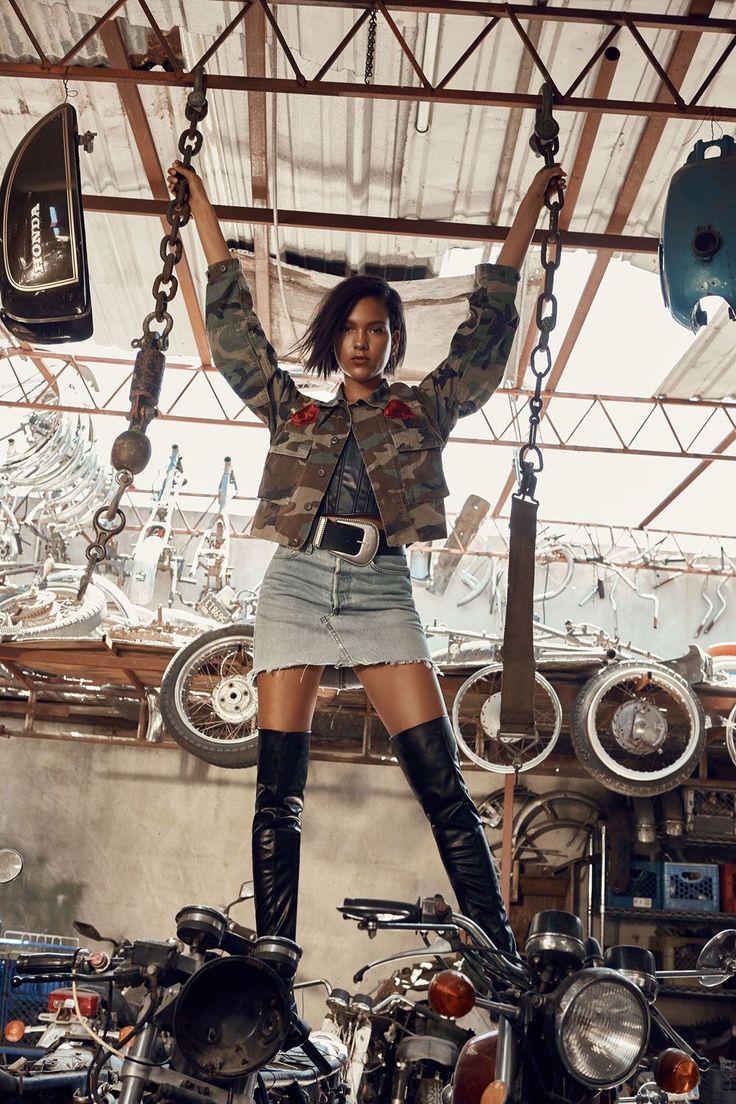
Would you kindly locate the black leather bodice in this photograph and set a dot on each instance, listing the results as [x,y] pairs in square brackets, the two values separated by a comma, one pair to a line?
[349,492]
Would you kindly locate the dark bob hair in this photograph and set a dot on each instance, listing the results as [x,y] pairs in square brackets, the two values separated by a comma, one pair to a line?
[318,344]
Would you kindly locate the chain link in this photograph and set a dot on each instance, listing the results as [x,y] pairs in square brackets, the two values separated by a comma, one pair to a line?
[131,449]
[529,460]
[370,53]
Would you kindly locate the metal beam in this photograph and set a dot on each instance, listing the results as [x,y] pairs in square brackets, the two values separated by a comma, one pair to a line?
[623,439]
[727,441]
[134,109]
[372,224]
[340,89]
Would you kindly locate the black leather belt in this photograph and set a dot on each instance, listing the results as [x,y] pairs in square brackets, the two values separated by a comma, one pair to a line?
[355,540]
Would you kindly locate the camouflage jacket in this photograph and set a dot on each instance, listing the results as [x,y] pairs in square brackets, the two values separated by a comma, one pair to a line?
[400,429]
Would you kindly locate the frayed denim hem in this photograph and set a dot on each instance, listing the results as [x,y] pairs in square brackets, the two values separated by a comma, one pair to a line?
[350,665]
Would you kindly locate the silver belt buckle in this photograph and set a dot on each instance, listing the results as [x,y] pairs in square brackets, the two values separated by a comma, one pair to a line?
[368,545]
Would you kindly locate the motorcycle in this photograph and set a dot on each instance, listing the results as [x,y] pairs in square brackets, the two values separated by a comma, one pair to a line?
[401,1050]
[216,1022]
[575,1024]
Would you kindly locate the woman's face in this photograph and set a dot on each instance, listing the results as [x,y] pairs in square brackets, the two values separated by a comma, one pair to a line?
[363,345]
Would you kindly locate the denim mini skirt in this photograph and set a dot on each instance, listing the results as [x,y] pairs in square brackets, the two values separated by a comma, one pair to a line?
[315,608]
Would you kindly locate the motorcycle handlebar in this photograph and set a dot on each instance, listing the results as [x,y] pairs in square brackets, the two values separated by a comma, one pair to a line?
[47,963]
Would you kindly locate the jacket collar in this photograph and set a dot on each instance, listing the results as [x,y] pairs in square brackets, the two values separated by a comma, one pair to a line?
[378,398]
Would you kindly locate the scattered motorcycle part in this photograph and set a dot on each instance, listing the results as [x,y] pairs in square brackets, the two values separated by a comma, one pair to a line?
[209,701]
[731,734]
[476,720]
[542,817]
[41,612]
[44,282]
[719,953]
[11,864]
[646,828]
[231,1017]
[638,728]
[698,246]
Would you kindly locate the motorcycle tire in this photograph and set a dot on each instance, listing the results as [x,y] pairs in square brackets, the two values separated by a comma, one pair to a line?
[731,735]
[209,702]
[638,728]
[65,616]
[429,1091]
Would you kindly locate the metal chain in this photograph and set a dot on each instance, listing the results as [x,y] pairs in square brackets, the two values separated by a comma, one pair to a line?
[370,53]
[177,214]
[545,142]
[131,450]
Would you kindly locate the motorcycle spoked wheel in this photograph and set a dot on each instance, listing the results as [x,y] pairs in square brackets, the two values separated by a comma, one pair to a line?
[41,612]
[476,715]
[209,701]
[638,728]
[731,735]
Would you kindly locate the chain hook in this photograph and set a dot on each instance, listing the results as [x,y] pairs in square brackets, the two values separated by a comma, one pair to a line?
[528,462]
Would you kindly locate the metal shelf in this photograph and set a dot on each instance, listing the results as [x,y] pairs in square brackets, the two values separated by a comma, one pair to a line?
[672,915]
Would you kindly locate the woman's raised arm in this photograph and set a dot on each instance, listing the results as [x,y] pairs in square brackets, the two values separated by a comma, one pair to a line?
[203,213]
[518,239]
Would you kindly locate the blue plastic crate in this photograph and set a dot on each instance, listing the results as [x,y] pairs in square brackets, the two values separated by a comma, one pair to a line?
[644,889]
[691,887]
[26,1001]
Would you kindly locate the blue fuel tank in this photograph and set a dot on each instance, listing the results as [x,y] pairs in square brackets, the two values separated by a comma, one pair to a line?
[697,253]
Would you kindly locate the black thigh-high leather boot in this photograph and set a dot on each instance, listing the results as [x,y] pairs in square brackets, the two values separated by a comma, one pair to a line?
[283,761]
[427,754]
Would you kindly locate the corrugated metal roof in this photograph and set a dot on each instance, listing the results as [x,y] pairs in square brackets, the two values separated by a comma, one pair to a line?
[367,156]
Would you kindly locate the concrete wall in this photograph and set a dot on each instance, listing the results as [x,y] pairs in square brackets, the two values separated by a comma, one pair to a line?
[123,838]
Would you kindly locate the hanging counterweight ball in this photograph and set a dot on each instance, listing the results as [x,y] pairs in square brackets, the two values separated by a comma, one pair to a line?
[131,449]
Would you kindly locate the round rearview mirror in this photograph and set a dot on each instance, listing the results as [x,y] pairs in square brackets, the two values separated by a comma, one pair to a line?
[11,864]
[719,953]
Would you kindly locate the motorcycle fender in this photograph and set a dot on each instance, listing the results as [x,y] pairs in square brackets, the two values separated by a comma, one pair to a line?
[475,1069]
[427,1048]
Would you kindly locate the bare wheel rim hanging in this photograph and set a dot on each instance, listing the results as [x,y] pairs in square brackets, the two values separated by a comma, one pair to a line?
[638,728]
[209,701]
[476,721]
[53,611]
[731,735]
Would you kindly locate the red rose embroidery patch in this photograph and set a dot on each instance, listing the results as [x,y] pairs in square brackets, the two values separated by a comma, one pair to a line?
[395,408]
[306,415]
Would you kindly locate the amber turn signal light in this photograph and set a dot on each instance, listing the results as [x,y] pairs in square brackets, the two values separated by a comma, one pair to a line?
[495,1093]
[676,1072]
[14,1031]
[451,994]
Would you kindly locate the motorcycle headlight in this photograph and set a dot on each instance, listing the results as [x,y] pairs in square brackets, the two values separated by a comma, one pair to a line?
[601,1026]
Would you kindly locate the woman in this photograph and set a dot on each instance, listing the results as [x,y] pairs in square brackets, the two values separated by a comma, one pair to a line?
[347,483]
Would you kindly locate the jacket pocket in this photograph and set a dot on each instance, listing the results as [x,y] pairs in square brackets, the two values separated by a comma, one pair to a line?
[284,469]
[420,464]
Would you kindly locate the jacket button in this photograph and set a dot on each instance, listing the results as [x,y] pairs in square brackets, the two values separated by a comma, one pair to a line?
[321,471]
[307,505]
[334,440]
[293,542]
[222,267]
